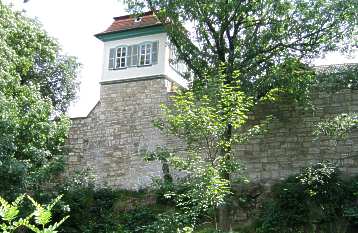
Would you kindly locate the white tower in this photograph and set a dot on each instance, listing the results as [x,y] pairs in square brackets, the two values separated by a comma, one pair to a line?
[137,48]
[137,75]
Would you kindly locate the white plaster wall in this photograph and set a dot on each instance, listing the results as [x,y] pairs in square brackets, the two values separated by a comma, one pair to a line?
[171,73]
[161,68]
[135,72]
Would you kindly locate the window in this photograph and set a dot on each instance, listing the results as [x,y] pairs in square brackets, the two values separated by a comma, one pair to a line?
[145,54]
[132,56]
[121,57]
[112,59]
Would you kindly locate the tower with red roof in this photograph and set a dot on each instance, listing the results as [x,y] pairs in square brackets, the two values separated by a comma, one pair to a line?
[138,74]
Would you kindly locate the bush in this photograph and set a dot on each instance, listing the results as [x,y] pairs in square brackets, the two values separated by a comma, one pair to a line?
[105,210]
[91,210]
[138,220]
[351,212]
[316,200]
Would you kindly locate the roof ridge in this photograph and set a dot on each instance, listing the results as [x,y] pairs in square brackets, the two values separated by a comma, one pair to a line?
[129,16]
[128,22]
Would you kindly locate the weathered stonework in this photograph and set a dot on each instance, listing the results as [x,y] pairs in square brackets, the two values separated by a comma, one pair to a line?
[290,144]
[110,139]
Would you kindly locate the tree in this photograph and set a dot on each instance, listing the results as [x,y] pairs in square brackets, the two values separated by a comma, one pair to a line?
[261,49]
[40,61]
[36,85]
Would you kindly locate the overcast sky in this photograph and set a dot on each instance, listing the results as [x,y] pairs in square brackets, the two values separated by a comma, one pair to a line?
[74,22]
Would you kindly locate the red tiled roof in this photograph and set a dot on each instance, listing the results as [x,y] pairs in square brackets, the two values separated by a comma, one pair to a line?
[126,22]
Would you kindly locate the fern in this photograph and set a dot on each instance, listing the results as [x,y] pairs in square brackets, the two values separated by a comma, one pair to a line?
[41,215]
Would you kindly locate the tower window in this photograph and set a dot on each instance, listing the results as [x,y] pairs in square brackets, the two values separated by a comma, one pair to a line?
[121,61]
[124,56]
[145,54]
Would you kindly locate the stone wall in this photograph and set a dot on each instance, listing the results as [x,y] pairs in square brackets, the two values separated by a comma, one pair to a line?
[110,138]
[290,145]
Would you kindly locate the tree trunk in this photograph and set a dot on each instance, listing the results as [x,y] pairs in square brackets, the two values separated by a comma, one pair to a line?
[224,218]
[166,172]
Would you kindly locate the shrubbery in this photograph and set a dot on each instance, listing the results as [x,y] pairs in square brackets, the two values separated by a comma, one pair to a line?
[105,210]
[318,199]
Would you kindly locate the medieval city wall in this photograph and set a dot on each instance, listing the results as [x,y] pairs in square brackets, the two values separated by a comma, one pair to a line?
[290,145]
[110,139]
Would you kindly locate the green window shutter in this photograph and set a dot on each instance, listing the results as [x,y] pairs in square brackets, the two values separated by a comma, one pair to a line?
[135,55]
[112,59]
[155,46]
[141,54]
[129,56]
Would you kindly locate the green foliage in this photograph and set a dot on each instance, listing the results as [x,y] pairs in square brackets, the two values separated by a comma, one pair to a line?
[316,200]
[210,121]
[161,188]
[30,56]
[139,220]
[171,221]
[204,191]
[240,53]
[91,210]
[194,198]
[291,80]
[200,117]
[56,77]
[334,78]
[337,127]
[162,155]
[36,85]
[351,212]
[104,210]
[9,212]
[256,38]
[41,216]
[206,230]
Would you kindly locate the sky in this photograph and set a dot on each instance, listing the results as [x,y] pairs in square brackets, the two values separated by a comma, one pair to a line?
[74,22]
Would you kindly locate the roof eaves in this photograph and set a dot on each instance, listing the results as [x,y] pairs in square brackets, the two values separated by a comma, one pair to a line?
[145,30]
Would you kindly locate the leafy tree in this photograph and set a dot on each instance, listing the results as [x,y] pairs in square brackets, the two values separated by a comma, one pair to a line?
[258,50]
[56,77]
[39,59]
[36,85]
